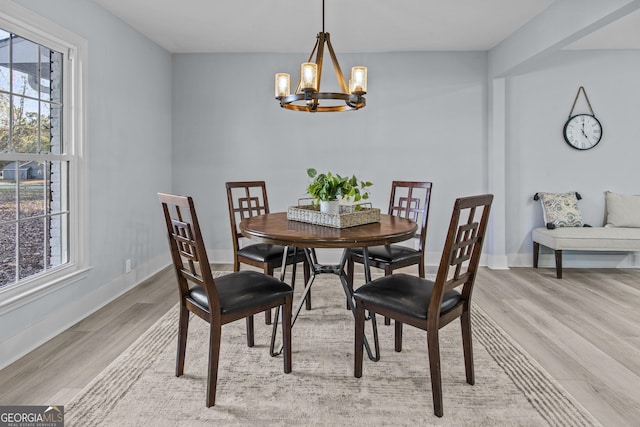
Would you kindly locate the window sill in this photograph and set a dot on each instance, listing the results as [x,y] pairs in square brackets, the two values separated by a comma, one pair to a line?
[15,296]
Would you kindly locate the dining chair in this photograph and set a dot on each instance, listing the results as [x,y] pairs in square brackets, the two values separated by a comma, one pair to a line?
[430,305]
[218,301]
[247,199]
[409,199]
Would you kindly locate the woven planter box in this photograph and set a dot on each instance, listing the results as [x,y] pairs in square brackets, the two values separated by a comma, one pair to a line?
[348,216]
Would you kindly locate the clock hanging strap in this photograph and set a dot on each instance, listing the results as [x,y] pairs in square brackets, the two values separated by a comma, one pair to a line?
[581,88]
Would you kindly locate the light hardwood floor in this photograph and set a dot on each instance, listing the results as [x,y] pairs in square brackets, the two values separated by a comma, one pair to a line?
[583,329]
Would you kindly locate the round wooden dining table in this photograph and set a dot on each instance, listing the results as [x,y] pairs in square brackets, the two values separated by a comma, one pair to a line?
[275,228]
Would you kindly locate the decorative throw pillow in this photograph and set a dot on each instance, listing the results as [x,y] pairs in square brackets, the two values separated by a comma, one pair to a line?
[622,211]
[560,210]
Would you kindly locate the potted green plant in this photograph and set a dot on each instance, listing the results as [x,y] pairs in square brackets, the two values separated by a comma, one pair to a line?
[326,188]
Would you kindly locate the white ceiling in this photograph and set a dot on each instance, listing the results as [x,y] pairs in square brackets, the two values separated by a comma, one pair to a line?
[184,26]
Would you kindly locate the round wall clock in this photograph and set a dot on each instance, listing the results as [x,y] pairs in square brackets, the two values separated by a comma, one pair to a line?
[582,131]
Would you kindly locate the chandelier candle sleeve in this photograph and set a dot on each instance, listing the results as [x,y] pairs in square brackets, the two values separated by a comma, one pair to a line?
[358,80]
[283,85]
[309,76]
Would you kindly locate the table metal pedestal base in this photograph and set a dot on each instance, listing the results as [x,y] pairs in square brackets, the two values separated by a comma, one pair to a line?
[338,270]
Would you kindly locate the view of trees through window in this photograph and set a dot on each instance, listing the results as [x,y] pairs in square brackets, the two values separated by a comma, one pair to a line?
[33,166]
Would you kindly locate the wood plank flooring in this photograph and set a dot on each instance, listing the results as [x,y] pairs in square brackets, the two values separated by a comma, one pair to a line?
[60,368]
[583,329]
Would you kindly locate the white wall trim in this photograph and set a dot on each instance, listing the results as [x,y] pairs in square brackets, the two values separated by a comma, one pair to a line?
[579,259]
[16,296]
[26,23]
[497,262]
[332,256]
[56,322]
[495,240]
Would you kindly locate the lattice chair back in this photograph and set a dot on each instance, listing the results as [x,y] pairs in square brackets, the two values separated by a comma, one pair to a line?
[463,248]
[410,199]
[187,246]
[245,199]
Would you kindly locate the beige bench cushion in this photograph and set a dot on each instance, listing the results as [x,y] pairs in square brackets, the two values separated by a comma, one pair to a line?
[589,238]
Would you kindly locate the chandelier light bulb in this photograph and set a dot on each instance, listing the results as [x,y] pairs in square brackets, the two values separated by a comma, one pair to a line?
[309,76]
[358,81]
[283,85]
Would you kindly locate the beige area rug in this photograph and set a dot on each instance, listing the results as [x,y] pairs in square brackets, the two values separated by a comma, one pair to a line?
[140,388]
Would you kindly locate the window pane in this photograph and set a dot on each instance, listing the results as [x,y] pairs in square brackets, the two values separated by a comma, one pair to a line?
[55,64]
[50,75]
[58,239]
[55,109]
[32,189]
[50,128]
[55,130]
[45,127]
[45,73]
[4,121]
[7,253]
[34,192]
[4,60]
[57,187]
[25,67]
[24,135]
[8,193]
[31,247]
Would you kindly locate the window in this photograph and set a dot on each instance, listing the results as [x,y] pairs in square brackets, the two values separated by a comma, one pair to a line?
[40,163]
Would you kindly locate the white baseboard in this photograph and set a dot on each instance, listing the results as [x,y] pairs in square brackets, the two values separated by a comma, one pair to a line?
[22,340]
[497,262]
[579,259]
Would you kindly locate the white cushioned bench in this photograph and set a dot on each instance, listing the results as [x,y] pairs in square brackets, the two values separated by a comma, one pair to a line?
[624,239]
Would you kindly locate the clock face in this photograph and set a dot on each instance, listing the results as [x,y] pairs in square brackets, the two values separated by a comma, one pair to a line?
[582,131]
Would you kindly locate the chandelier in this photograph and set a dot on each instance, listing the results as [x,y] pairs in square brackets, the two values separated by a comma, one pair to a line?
[308,97]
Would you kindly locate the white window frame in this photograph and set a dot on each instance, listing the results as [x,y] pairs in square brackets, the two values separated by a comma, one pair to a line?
[25,23]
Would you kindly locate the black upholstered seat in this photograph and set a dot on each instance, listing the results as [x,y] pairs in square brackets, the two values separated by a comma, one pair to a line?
[265,253]
[430,305]
[405,294]
[390,254]
[226,299]
[241,290]
[246,199]
[409,199]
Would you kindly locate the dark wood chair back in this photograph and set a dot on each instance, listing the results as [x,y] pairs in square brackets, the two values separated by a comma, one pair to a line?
[187,247]
[462,249]
[234,296]
[410,199]
[430,305]
[245,199]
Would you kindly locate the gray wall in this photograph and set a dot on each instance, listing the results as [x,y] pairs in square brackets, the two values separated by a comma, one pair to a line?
[425,120]
[538,159]
[128,152]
